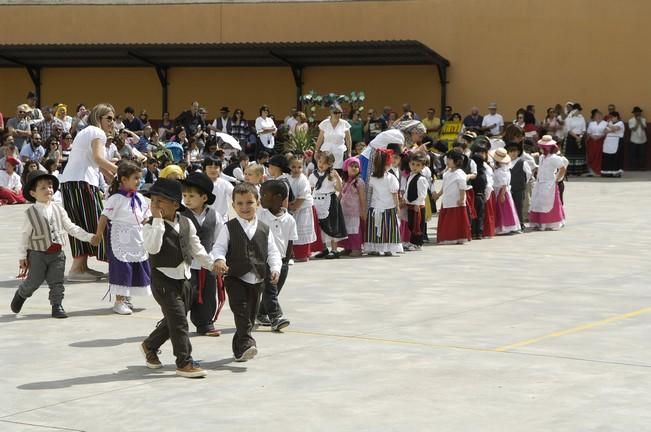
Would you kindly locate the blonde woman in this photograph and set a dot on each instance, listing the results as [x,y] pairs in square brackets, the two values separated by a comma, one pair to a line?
[80,188]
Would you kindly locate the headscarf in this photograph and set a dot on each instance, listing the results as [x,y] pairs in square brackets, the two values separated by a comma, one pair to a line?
[172,169]
[349,161]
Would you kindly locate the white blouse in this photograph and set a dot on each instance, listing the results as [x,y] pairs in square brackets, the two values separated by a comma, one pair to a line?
[81,163]
[334,139]
[266,138]
[382,191]
[597,129]
[301,189]
[575,124]
[611,143]
[327,187]
[454,182]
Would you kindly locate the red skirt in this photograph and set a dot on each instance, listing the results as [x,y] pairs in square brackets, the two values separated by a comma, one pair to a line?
[470,204]
[453,225]
[594,152]
[302,251]
[489,216]
[317,246]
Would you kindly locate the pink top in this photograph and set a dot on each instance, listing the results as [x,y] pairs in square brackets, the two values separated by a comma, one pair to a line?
[350,198]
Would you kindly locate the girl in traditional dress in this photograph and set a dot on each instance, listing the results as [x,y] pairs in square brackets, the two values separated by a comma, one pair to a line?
[594,144]
[125,212]
[506,217]
[382,234]
[610,160]
[325,182]
[546,208]
[353,204]
[301,209]
[453,224]
[489,208]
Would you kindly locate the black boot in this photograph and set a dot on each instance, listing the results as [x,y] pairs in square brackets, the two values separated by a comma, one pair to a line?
[324,253]
[17,303]
[58,312]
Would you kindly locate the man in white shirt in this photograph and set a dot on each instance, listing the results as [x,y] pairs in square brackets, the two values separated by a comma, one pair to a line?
[637,125]
[291,121]
[493,123]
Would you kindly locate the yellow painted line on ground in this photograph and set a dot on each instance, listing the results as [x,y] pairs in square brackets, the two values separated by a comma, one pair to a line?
[573,330]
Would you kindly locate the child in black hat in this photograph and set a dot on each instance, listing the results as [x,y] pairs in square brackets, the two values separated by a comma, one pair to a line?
[197,198]
[44,236]
[279,170]
[172,242]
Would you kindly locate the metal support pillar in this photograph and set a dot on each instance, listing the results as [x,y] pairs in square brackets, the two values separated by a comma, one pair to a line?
[161,71]
[443,78]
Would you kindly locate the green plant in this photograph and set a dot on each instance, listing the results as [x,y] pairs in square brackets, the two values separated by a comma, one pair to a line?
[301,140]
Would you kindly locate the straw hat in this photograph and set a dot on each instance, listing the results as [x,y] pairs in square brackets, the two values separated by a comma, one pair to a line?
[501,155]
[547,141]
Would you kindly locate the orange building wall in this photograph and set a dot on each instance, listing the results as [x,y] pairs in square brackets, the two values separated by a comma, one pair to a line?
[515,53]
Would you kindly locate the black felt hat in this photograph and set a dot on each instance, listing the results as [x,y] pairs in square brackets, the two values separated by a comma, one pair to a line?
[202,182]
[168,189]
[33,178]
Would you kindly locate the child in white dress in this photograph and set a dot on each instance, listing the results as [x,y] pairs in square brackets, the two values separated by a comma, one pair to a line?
[125,212]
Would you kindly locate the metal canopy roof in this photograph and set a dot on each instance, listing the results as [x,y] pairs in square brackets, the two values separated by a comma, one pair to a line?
[298,54]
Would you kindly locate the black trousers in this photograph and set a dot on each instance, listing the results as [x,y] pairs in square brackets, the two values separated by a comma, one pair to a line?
[416,239]
[269,304]
[477,224]
[638,157]
[244,301]
[202,314]
[518,201]
[173,296]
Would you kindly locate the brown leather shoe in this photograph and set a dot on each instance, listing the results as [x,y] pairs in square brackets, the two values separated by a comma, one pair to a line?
[191,370]
[151,357]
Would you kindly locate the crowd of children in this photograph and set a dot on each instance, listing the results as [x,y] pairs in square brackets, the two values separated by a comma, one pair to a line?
[235,228]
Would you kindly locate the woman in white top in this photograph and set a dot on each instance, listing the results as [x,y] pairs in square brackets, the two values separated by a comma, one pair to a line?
[594,144]
[80,188]
[546,207]
[574,150]
[266,130]
[610,160]
[334,136]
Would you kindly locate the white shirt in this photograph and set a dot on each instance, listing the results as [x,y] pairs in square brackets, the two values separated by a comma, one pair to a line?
[327,187]
[81,163]
[611,143]
[111,152]
[291,122]
[223,191]
[497,120]
[301,189]
[282,227]
[597,129]
[454,182]
[382,191]
[46,210]
[422,187]
[489,180]
[238,174]
[575,124]
[266,138]
[638,136]
[250,227]
[153,236]
[334,140]
[10,181]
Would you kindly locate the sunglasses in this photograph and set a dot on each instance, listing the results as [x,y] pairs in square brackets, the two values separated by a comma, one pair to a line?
[109,118]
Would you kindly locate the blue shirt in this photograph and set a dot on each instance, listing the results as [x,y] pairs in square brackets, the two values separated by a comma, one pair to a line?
[32,154]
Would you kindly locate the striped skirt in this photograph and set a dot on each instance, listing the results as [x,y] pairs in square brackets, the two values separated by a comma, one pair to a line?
[382,232]
[83,203]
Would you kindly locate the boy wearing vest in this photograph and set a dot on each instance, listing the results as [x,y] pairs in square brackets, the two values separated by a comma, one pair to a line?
[416,189]
[172,243]
[283,228]
[44,236]
[198,198]
[520,176]
[244,250]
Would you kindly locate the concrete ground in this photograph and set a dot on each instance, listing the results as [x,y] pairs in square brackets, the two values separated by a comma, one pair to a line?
[545,331]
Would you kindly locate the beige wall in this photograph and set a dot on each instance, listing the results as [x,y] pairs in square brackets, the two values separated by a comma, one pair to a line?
[513,52]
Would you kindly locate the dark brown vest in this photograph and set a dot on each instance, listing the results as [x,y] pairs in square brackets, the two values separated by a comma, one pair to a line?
[246,255]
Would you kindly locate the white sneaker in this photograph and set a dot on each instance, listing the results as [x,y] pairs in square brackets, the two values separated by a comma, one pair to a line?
[121,308]
[290,262]
[247,355]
